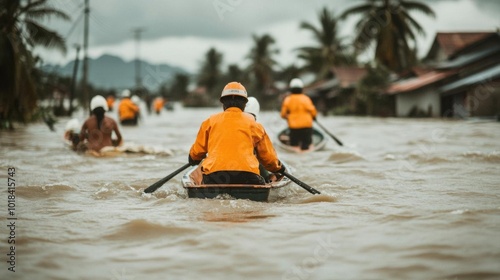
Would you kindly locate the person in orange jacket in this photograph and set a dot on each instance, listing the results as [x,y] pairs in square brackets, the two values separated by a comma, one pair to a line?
[128,112]
[97,129]
[158,104]
[111,102]
[226,142]
[299,111]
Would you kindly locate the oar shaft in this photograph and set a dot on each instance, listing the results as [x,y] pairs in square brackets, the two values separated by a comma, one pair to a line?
[301,184]
[327,132]
[160,183]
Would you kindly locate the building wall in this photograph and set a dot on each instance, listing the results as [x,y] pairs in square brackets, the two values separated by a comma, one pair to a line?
[483,100]
[427,102]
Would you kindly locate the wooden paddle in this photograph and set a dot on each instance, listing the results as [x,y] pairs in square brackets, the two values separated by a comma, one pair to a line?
[302,184]
[327,132]
[160,183]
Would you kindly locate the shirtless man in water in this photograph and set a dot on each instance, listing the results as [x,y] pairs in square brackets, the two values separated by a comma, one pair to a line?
[97,129]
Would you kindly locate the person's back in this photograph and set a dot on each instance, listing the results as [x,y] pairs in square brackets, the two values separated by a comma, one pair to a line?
[127,110]
[98,128]
[111,102]
[299,111]
[99,137]
[158,104]
[228,139]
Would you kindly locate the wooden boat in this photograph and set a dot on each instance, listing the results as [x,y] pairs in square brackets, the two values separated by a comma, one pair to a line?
[318,141]
[191,181]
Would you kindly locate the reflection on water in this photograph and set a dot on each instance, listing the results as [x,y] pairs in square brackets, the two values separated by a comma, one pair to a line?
[403,199]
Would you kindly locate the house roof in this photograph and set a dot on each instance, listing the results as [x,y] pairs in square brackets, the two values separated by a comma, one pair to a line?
[344,77]
[418,82]
[466,59]
[348,76]
[451,42]
[480,77]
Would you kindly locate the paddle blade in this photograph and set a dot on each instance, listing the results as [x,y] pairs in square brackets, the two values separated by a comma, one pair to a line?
[160,183]
[154,186]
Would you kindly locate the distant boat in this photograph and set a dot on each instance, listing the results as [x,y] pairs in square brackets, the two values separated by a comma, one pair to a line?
[318,141]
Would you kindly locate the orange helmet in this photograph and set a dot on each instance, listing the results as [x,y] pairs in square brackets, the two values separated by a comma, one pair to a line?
[234,88]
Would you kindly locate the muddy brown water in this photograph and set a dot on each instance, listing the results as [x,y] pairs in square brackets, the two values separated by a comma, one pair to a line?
[403,199]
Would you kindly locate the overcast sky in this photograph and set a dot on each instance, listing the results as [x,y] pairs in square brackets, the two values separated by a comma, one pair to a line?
[181,32]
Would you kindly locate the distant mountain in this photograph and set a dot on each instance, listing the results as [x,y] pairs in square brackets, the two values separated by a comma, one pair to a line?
[110,71]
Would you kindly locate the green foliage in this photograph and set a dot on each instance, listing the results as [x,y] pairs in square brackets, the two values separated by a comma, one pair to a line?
[21,31]
[261,64]
[388,25]
[210,73]
[179,88]
[370,88]
[329,51]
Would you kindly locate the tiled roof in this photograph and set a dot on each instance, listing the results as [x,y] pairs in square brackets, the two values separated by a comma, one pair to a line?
[348,75]
[418,82]
[451,42]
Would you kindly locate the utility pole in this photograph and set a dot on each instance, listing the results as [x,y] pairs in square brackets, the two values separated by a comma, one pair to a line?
[85,57]
[138,78]
[73,80]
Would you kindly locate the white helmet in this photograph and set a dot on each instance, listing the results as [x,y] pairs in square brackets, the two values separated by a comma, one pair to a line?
[234,88]
[98,101]
[296,83]
[126,93]
[73,125]
[253,106]
[135,99]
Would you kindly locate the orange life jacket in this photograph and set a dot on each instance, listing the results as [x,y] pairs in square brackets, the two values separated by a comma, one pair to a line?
[298,110]
[127,109]
[228,139]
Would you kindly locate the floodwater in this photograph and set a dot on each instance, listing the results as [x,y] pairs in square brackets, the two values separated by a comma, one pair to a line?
[402,199]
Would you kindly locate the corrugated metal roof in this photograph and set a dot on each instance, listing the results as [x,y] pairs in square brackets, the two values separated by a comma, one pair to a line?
[483,76]
[468,58]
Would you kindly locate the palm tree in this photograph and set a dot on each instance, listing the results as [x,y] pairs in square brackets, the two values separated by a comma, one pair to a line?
[235,73]
[210,73]
[329,50]
[179,88]
[20,32]
[388,25]
[370,86]
[287,73]
[262,63]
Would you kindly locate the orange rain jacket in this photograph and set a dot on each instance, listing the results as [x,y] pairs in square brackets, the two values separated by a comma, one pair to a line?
[298,110]
[111,101]
[229,138]
[127,109]
[158,104]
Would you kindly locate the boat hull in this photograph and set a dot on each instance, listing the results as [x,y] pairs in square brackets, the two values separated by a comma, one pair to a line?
[191,181]
[318,141]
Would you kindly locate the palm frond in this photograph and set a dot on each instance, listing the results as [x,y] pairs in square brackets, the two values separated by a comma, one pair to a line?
[45,13]
[417,6]
[414,23]
[365,8]
[40,35]
[313,29]
[31,5]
